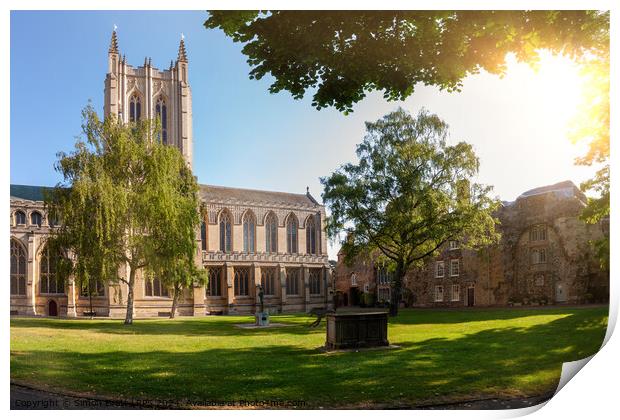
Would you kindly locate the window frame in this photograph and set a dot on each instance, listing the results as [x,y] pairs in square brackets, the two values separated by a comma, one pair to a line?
[215,282]
[226,233]
[242,281]
[293,280]
[249,233]
[458,293]
[271,233]
[439,292]
[292,235]
[439,264]
[458,267]
[18,254]
[22,213]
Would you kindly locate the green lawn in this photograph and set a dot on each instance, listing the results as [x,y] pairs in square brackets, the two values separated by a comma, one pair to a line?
[443,355]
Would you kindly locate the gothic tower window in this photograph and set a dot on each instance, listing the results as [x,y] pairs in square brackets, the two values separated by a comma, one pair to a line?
[161,112]
[249,232]
[135,108]
[271,233]
[225,232]
[311,247]
[18,268]
[291,234]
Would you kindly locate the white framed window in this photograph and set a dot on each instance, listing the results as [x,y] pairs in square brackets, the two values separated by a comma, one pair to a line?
[438,293]
[453,245]
[456,293]
[454,268]
[440,269]
[353,279]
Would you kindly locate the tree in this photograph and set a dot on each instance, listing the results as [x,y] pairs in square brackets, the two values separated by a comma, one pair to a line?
[342,55]
[180,274]
[409,194]
[127,203]
[592,126]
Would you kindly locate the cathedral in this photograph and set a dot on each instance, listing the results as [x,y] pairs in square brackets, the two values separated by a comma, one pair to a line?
[248,238]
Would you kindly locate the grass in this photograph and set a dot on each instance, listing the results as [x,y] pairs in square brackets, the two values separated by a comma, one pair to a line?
[443,355]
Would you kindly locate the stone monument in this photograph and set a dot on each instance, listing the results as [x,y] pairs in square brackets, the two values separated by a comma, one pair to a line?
[262,317]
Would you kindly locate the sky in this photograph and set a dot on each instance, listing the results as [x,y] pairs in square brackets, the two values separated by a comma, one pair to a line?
[246,137]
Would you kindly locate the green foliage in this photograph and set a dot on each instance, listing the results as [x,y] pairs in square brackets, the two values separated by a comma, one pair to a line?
[457,354]
[126,200]
[409,194]
[342,55]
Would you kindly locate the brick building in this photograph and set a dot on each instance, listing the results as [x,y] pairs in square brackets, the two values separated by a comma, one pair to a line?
[544,256]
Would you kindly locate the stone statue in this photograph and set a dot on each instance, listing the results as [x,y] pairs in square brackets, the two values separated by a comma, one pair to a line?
[260,298]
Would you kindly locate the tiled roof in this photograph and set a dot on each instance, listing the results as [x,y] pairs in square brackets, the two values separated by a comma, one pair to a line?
[217,193]
[28,192]
[207,192]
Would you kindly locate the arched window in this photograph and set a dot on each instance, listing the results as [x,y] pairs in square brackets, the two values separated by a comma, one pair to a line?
[225,232]
[242,281]
[161,111]
[249,232]
[49,280]
[291,234]
[311,247]
[271,233]
[20,217]
[154,287]
[134,108]
[203,236]
[18,268]
[35,218]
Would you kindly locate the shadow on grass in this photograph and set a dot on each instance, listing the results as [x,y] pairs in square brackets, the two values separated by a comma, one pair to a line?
[493,362]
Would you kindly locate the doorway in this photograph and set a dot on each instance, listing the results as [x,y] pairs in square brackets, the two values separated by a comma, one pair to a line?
[560,292]
[52,308]
[470,296]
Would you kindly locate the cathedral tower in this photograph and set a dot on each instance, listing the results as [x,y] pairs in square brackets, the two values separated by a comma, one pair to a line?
[135,93]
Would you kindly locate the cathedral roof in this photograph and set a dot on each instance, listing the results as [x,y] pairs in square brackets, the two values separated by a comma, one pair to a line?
[243,195]
[28,192]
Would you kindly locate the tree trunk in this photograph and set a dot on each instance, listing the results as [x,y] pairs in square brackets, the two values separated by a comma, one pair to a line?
[175,301]
[130,284]
[397,286]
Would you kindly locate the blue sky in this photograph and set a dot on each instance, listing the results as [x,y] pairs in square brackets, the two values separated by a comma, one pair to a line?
[246,137]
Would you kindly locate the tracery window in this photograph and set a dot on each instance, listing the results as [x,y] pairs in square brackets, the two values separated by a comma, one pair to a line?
[268,280]
[225,232]
[249,232]
[18,268]
[291,235]
[154,287]
[161,111]
[50,281]
[135,108]
[311,247]
[292,281]
[97,288]
[315,281]
[271,233]
[20,217]
[242,281]
[215,281]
